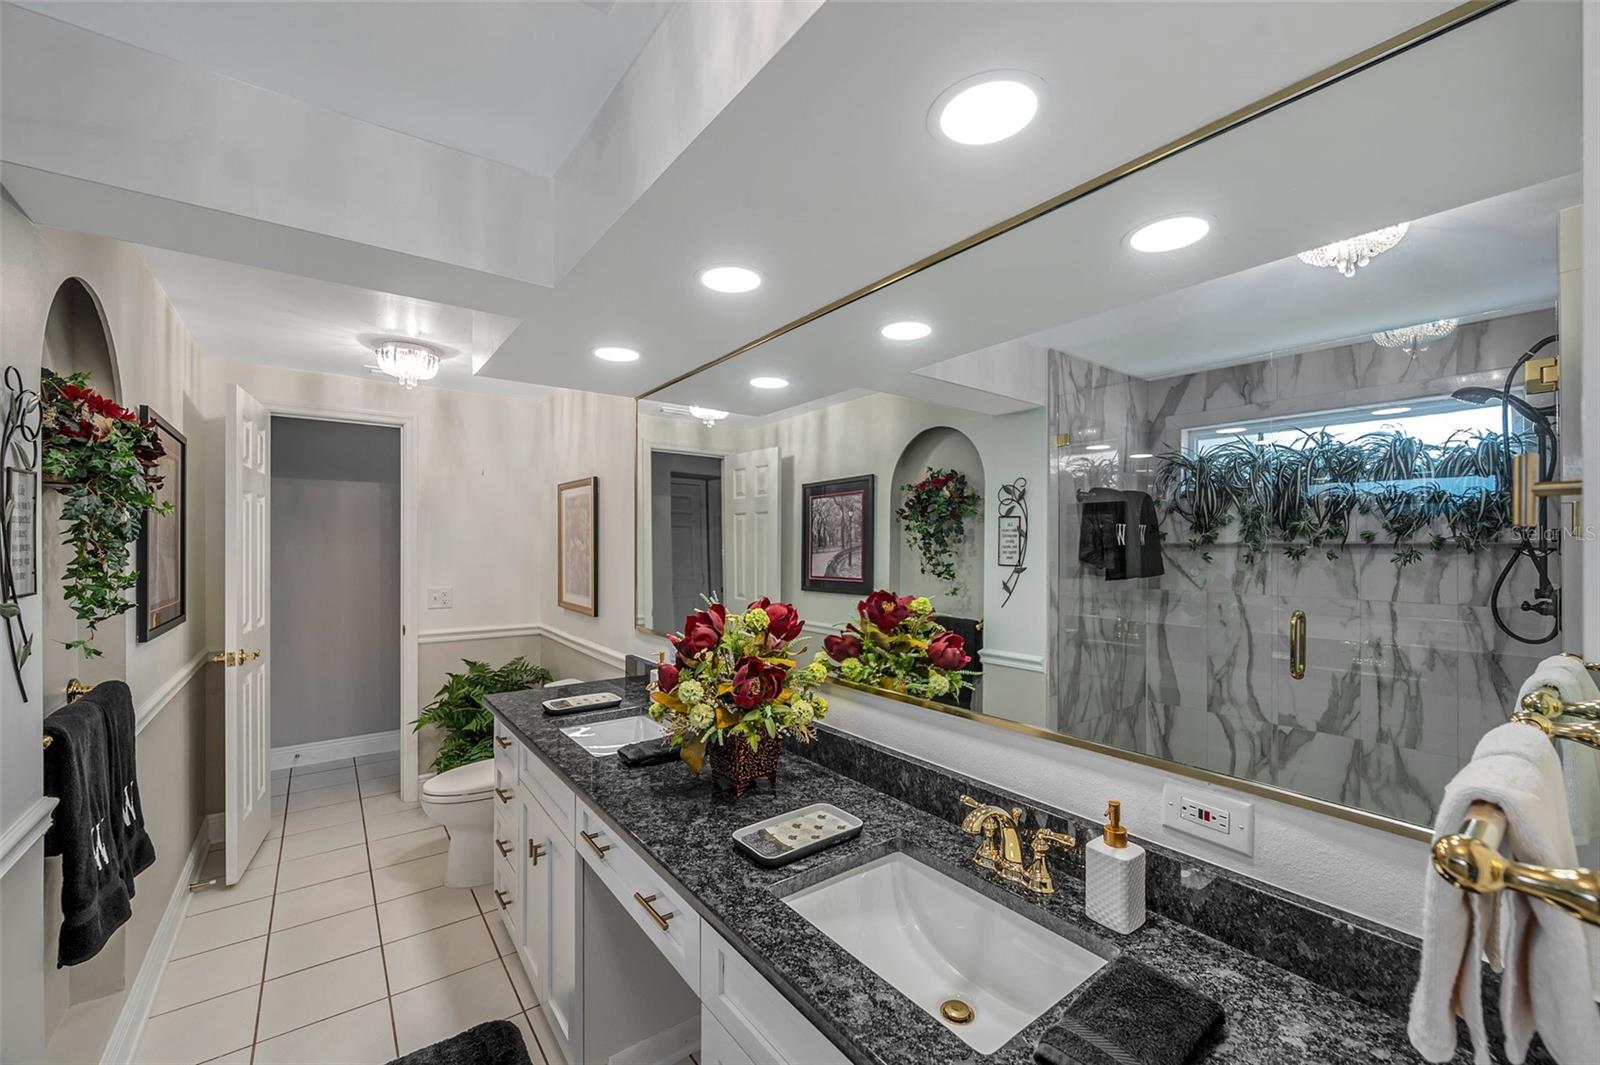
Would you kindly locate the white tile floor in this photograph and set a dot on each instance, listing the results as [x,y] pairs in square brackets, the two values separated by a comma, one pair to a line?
[340,944]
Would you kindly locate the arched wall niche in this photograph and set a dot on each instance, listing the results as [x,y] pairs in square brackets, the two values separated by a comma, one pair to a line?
[77,339]
[940,447]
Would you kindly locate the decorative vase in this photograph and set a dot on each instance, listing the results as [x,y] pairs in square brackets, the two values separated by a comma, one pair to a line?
[735,765]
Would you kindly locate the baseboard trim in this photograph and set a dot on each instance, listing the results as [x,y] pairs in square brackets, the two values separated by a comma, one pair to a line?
[157,701]
[333,750]
[129,1029]
[216,829]
[483,632]
[663,1048]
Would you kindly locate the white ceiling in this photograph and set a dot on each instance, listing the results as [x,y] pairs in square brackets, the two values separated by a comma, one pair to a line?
[513,82]
[1421,135]
[819,169]
[260,316]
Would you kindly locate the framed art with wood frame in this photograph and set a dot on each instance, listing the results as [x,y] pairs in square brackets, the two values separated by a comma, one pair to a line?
[163,552]
[578,546]
[836,529]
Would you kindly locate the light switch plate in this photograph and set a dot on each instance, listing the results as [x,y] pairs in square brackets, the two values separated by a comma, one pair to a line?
[440,598]
[1221,819]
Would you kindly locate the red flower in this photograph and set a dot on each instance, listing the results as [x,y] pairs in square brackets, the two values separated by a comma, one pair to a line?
[756,682]
[784,622]
[948,651]
[843,646]
[666,677]
[884,609]
[701,631]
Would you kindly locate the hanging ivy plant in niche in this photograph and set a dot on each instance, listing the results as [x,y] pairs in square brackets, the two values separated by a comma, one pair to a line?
[102,458]
[934,516]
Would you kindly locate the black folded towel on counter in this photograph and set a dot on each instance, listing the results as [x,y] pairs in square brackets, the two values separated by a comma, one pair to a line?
[1130,1015]
[133,841]
[490,1043]
[77,773]
[647,752]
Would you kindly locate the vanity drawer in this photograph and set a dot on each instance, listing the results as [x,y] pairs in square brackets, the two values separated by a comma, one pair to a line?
[505,749]
[655,907]
[551,791]
[508,893]
[508,821]
[757,1017]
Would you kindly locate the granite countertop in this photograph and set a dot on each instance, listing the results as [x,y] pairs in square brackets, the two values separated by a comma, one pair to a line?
[685,829]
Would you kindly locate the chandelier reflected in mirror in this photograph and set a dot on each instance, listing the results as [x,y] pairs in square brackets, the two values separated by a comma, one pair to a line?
[407,361]
[1351,253]
[1411,335]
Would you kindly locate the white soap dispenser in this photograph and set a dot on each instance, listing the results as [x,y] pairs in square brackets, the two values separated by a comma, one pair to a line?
[1114,876]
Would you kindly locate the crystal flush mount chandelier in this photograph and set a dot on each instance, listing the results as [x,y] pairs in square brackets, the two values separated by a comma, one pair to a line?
[1411,335]
[407,361]
[1351,253]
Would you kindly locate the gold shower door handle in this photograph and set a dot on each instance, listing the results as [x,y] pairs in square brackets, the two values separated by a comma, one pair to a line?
[1297,645]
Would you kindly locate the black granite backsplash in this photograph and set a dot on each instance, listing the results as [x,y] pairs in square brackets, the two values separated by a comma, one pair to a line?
[1366,961]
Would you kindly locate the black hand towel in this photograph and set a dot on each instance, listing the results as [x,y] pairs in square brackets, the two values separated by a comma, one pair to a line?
[1130,1015]
[490,1043]
[94,898]
[116,705]
[647,752]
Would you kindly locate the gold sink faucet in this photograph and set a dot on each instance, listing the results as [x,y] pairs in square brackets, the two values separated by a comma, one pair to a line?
[1005,856]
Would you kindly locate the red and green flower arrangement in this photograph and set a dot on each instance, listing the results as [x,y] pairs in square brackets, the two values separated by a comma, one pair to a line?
[934,516]
[896,644]
[736,689]
[103,458]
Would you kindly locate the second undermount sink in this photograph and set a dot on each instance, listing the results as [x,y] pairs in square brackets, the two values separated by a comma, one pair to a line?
[938,941]
[606,737]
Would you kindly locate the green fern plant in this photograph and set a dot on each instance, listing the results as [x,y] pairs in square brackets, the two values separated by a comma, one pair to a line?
[459,710]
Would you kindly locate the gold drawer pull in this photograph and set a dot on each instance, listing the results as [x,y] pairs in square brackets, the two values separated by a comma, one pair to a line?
[1297,645]
[660,919]
[535,852]
[504,743]
[502,898]
[504,847]
[502,795]
[599,849]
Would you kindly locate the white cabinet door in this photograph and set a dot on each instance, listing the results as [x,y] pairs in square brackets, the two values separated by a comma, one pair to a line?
[560,997]
[536,863]
[717,1046]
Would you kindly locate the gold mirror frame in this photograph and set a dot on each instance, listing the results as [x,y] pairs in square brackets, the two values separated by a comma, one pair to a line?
[1368,57]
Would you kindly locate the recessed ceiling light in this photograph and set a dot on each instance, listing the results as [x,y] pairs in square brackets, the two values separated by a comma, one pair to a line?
[906,330]
[768,382]
[1381,411]
[1231,430]
[1098,447]
[730,279]
[987,108]
[616,354]
[1169,234]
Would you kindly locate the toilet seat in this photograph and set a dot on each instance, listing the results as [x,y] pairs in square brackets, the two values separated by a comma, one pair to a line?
[473,782]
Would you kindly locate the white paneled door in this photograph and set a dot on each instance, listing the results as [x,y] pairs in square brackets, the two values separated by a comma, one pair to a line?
[752,494]
[248,735]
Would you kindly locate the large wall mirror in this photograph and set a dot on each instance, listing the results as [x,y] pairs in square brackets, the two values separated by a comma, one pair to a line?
[1263,447]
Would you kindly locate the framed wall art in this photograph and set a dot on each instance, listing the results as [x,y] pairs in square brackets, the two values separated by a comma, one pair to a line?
[836,524]
[163,589]
[578,546]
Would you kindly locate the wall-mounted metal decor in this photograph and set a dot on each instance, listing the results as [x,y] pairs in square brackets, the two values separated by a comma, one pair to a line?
[1012,535]
[19,510]
[163,589]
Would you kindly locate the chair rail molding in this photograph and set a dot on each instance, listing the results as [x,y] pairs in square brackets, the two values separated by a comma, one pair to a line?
[480,632]
[152,705]
[22,833]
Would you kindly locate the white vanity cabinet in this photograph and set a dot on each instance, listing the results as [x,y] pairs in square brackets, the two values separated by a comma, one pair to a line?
[575,886]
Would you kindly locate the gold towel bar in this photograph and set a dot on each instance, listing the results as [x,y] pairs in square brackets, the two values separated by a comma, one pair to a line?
[1471,859]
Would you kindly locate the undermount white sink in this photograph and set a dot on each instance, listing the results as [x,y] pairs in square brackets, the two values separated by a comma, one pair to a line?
[605,737]
[936,939]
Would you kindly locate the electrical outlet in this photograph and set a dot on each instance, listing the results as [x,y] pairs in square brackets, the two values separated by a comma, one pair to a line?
[1222,819]
[440,598]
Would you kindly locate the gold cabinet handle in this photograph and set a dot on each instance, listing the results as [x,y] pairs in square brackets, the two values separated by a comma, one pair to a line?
[659,918]
[504,743]
[1297,645]
[599,849]
[502,794]
[504,847]
[502,898]
[535,852]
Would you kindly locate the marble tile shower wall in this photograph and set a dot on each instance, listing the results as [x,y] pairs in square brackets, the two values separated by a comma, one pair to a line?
[1405,666]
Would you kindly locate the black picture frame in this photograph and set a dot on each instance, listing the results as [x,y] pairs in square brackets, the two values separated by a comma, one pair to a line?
[848,497]
[158,531]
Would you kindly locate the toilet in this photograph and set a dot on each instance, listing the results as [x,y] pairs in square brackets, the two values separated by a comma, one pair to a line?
[460,800]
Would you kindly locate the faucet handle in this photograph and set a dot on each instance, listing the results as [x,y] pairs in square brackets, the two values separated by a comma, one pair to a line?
[1044,837]
[1037,877]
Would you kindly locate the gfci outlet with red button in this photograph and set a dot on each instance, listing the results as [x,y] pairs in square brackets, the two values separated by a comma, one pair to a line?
[1222,819]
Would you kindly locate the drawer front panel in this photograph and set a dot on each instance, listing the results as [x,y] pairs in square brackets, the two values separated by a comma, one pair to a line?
[668,920]
[759,1019]
[508,892]
[551,791]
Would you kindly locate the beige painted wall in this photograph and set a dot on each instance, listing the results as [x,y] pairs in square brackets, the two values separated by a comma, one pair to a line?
[434,660]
